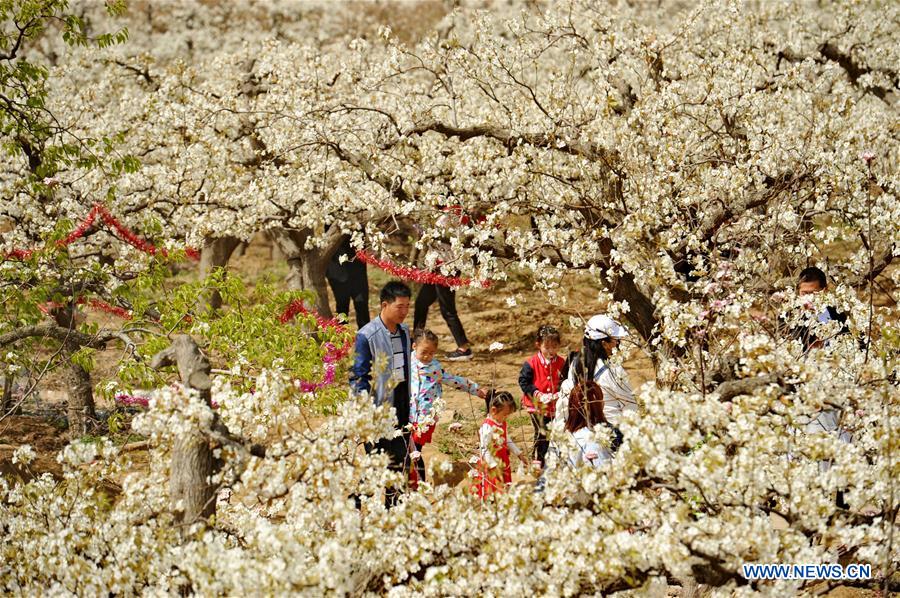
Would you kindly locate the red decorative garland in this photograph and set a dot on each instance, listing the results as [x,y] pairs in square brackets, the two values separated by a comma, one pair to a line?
[20,254]
[135,401]
[192,253]
[122,231]
[132,401]
[416,275]
[106,307]
[93,303]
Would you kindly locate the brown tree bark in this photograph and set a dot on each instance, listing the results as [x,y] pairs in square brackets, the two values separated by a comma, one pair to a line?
[642,313]
[215,254]
[191,493]
[6,400]
[80,408]
[306,267]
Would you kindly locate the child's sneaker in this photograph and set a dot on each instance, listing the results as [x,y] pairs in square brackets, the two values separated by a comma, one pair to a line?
[460,355]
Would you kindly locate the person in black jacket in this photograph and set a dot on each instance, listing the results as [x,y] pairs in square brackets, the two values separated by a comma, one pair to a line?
[349,281]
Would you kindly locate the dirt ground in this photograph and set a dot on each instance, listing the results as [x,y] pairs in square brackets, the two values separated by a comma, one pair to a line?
[45,438]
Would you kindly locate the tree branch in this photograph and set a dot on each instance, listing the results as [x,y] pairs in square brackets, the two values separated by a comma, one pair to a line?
[745,386]
[855,71]
[393,186]
[880,265]
[59,333]
[588,150]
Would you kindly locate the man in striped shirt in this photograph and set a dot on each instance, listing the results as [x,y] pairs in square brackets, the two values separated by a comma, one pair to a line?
[381,369]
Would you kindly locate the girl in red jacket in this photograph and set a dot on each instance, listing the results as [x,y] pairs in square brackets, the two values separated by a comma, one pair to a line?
[539,381]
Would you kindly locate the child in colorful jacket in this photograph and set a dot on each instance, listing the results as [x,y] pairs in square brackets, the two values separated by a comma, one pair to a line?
[427,377]
[539,380]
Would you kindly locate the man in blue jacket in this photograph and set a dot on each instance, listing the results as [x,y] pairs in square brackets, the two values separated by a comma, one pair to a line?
[381,368]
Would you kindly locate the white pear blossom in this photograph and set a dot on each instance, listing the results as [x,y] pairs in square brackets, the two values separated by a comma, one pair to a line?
[24,455]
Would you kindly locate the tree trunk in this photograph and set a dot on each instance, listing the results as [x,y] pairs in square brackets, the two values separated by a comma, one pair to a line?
[641,313]
[641,309]
[80,407]
[6,402]
[191,493]
[306,267]
[215,254]
[192,496]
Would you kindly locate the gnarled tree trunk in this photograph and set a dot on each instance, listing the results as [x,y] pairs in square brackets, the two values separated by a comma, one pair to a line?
[306,267]
[215,254]
[80,408]
[190,490]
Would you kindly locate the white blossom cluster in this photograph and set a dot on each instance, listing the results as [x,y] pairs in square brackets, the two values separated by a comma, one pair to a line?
[693,488]
[647,147]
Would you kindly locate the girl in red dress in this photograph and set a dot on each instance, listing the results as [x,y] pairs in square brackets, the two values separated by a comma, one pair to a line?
[494,472]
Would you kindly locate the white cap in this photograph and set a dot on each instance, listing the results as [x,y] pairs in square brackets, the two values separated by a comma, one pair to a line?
[602,327]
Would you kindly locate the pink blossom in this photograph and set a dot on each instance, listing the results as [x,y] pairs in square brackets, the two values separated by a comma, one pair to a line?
[130,401]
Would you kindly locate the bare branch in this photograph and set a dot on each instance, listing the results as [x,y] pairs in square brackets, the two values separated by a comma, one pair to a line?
[59,333]
[588,150]
[744,386]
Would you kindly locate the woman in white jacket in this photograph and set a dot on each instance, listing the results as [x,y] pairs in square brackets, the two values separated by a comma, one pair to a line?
[602,335]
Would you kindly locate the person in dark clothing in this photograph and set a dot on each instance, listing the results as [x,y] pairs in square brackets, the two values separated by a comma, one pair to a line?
[446,298]
[349,281]
[453,216]
[810,281]
[386,340]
